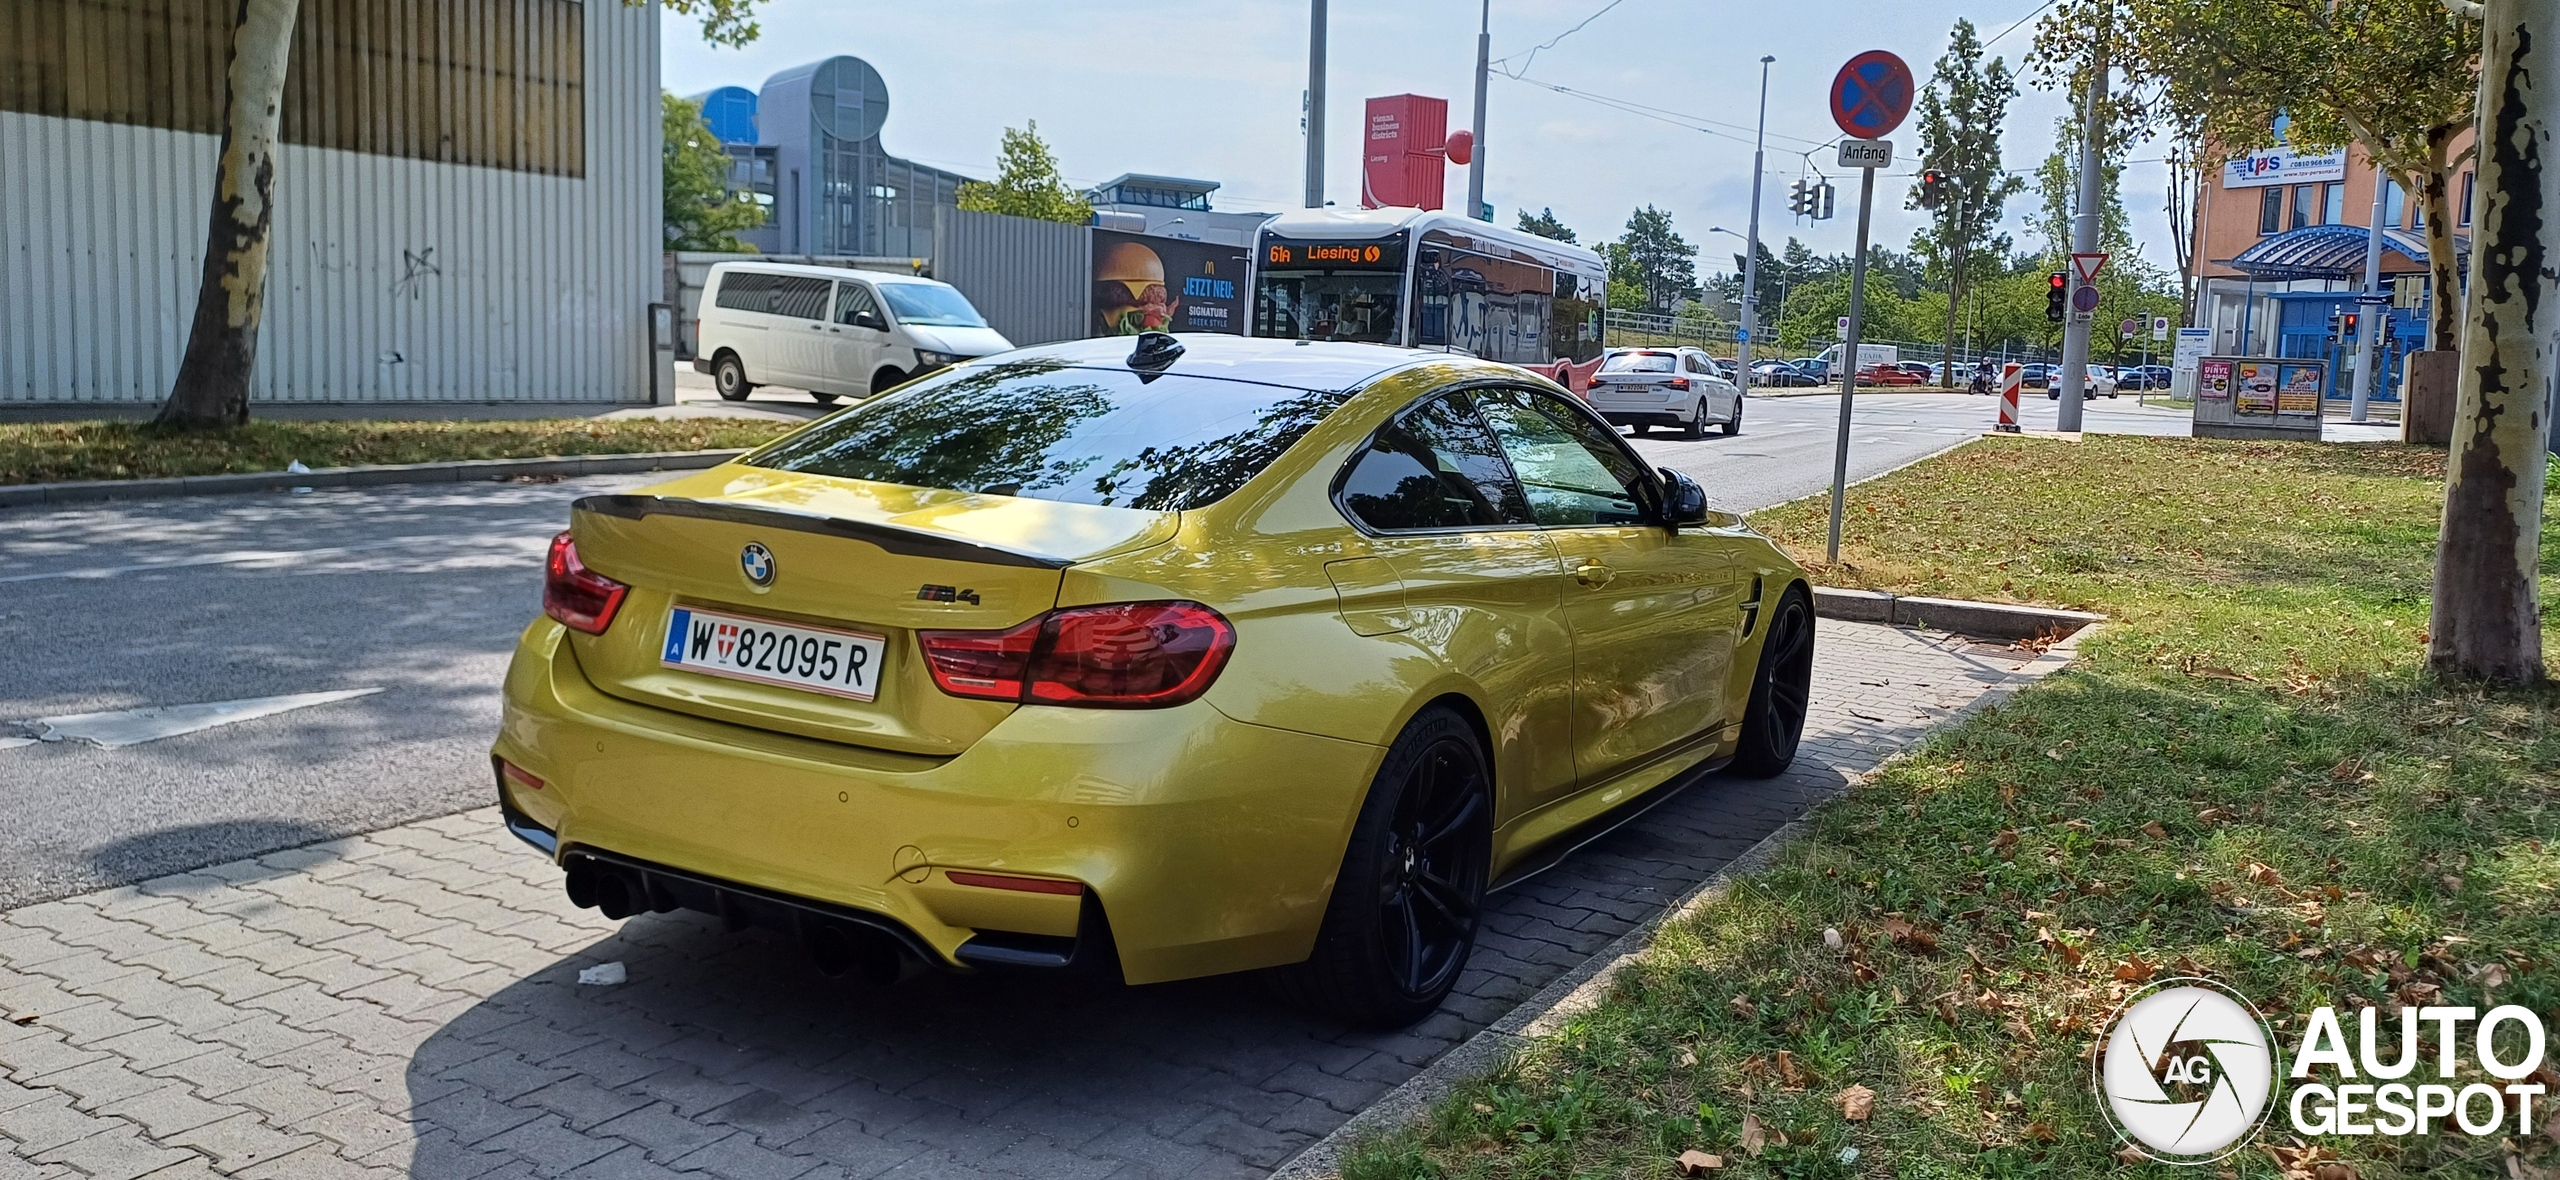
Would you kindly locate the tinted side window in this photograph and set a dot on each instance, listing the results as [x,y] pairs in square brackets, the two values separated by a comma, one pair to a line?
[1434,467]
[801,298]
[1573,471]
[853,299]
[746,290]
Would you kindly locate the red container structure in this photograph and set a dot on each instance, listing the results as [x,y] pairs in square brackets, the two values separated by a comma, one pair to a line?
[1404,152]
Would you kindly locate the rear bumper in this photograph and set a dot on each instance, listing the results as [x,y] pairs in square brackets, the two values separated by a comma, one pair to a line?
[702,364]
[1202,844]
[1644,418]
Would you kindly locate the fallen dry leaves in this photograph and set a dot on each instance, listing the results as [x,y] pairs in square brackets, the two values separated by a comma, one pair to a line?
[1698,1163]
[1856,1103]
[1755,1138]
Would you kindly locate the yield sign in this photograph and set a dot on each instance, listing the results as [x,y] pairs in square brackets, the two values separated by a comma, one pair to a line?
[2087,267]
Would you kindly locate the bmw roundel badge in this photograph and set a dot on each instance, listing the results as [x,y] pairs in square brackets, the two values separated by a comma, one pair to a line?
[756,562]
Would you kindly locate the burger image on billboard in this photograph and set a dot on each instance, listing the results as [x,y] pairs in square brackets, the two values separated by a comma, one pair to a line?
[1129,293]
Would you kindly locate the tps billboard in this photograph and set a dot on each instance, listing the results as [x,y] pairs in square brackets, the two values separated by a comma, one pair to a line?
[1151,284]
[1404,150]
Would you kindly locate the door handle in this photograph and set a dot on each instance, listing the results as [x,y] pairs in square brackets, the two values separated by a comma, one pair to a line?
[1594,575]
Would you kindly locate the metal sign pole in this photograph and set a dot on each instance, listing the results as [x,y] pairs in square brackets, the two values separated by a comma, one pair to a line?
[1849,358]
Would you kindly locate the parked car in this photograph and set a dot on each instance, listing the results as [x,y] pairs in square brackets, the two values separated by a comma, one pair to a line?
[1888,375]
[2098,381]
[1963,372]
[2143,377]
[1782,375]
[1675,387]
[831,331]
[1814,367]
[1144,719]
[2035,376]
[1927,373]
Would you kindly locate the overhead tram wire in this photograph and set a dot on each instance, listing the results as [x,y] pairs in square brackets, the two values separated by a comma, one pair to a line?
[1680,118]
[2021,21]
[1550,43]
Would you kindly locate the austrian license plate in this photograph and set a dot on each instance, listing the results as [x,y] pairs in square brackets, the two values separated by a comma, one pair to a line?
[818,659]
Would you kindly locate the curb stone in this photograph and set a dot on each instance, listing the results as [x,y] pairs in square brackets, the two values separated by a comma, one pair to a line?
[1581,989]
[456,471]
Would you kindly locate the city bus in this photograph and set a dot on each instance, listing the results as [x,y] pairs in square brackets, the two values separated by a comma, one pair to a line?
[1419,278]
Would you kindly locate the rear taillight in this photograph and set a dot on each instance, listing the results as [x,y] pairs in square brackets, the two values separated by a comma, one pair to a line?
[582,599]
[1679,383]
[1131,655]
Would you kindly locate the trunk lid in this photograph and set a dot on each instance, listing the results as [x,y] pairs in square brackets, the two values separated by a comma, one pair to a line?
[846,556]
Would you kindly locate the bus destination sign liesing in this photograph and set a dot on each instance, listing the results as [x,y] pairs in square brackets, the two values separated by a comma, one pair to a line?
[1374,254]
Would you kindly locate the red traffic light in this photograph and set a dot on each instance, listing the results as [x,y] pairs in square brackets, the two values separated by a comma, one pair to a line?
[2055,281]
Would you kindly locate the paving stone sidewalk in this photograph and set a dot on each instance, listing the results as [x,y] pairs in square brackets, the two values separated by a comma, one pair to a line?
[406,1003]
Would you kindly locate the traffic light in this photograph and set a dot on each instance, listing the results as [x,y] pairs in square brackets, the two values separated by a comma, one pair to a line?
[1933,189]
[1800,199]
[2056,296]
[1822,201]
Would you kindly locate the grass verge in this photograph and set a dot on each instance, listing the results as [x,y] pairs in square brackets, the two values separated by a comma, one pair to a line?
[2248,776]
[47,452]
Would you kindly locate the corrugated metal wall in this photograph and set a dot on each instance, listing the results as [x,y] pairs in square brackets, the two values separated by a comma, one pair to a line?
[1033,280]
[392,279]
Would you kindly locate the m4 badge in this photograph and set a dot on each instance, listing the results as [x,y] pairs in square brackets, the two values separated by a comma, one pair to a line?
[933,593]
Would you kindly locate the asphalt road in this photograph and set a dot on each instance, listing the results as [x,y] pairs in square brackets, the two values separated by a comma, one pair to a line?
[421,591]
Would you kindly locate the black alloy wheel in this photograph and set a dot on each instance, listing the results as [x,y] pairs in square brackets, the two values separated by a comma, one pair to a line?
[729,377]
[1781,690]
[1405,909]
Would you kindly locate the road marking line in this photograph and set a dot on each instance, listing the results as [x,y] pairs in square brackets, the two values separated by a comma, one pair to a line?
[132,727]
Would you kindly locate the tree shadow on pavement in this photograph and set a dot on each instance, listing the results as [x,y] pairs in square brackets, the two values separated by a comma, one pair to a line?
[177,849]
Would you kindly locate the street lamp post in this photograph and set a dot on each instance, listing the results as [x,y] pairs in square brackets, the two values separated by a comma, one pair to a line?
[1484,66]
[1315,104]
[1751,245]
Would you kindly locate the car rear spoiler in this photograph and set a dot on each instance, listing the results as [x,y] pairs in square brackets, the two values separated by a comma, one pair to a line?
[905,542]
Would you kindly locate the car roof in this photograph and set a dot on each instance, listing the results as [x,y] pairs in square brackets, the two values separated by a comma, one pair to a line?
[1323,365]
[819,272]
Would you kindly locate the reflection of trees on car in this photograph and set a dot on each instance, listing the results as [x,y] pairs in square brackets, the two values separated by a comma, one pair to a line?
[1187,475]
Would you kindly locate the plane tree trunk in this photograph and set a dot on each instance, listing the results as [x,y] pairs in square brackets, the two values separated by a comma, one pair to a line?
[2487,619]
[212,388]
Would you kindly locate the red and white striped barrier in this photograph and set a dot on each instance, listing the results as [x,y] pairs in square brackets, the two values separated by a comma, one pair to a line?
[2012,378]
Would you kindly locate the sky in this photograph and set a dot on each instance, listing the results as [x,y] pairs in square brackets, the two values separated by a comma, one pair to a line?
[1212,91]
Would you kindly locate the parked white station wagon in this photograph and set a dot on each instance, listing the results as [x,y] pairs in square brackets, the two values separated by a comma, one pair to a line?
[831,331]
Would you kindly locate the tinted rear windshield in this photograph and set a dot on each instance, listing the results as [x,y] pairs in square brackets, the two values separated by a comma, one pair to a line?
[1053,432]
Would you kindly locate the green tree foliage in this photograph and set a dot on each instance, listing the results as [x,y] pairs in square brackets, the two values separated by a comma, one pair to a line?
[1654,259]
[1960,118]
[1027,183]
[724,22]
[2396,76]
[1545,225]
[700,212]
[2058,191]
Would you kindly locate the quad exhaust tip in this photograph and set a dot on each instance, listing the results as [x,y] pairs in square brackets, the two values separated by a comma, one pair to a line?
[839,946]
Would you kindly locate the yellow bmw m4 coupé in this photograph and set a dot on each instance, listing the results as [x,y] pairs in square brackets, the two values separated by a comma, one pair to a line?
[1216,655]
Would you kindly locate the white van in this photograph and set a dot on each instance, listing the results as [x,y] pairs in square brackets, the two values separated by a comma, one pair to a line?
[831,331]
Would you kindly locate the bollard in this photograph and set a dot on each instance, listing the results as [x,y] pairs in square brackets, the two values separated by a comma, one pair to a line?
[2011,378]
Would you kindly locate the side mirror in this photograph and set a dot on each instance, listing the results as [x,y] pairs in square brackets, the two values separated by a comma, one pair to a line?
[871,320]
[1684,502]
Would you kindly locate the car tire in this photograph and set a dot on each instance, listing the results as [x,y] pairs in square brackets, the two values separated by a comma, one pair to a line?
[1696,426]
[1642,429]
[886,380]
[1781,689]
[824,399]
[1733,425]
[1406,906]
[729,378]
